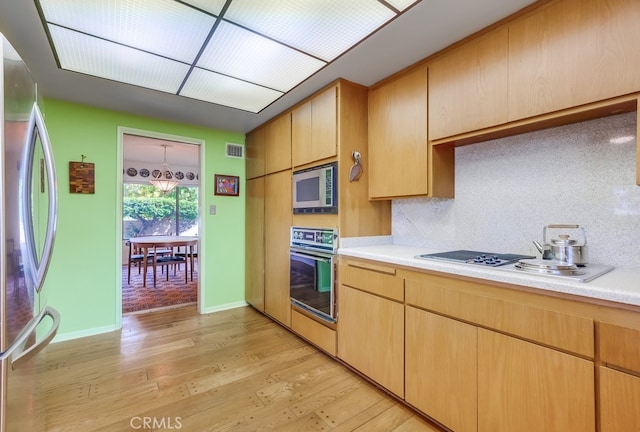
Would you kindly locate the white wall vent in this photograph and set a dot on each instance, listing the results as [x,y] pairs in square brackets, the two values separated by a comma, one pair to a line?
[234,150]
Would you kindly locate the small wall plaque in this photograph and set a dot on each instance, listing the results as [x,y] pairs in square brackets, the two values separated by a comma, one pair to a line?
[82,177]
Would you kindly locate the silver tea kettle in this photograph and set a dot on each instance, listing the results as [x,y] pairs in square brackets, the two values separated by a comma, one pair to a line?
[563,247]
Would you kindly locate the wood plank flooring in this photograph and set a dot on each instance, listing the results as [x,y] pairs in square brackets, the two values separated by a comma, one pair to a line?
[229,371]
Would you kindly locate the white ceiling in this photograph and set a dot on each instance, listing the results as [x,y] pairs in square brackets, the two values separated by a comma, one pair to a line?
[148,149]
[427,28]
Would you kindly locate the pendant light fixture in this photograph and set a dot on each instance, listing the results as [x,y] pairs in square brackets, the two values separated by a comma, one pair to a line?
[163,179]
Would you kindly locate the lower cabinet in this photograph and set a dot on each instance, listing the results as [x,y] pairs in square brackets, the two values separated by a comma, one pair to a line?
[526,387]
[475,357]
[473,379]
[619,391]
[619,401]
[371,336]
[441,377]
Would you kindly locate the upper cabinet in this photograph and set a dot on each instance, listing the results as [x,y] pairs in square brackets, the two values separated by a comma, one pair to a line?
[468,86]
[572,52]
[314,128]
[277,135]
[255,146]
[558,63]
[401,161]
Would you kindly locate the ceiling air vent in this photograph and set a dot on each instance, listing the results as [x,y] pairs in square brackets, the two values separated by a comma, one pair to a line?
[234,151]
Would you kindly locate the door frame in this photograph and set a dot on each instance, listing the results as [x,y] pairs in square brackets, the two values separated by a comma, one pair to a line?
[122,130]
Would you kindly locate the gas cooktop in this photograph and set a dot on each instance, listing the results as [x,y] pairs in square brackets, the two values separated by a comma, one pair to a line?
[475,257]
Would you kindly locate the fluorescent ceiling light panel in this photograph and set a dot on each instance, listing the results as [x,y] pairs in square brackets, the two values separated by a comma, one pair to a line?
[244,57]
[89,55]
[163,27]
[401,5]
[248,56]
[220,89]
[212,6]
[323,28]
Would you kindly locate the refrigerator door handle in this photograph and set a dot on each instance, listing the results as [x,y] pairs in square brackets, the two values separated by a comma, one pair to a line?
[37,268]
[16,351]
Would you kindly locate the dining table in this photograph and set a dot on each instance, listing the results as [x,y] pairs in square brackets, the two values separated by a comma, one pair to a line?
[163,242]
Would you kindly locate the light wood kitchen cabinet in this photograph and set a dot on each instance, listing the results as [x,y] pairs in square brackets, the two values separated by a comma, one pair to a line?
[572,52]
[277,223]
[277,136]
[526,387]
[401,161]
[398,158]
[619,401]
[254,243]
[441,368]
[619,389]
[255,153]
[371,324]
[468,86]
[314,127]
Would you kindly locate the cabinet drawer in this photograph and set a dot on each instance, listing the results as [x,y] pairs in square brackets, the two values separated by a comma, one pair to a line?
[619,346]
[471,302]
[316,333]
[373,278]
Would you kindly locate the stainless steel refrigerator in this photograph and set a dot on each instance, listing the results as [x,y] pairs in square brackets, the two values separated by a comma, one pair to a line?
[28,204]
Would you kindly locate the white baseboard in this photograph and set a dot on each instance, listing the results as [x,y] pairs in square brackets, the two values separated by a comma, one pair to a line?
[224,307]
[83,333]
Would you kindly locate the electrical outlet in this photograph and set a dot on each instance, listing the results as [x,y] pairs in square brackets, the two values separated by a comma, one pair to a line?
[212,209]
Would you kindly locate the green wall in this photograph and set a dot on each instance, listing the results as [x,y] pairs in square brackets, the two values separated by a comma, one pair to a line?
[84,280]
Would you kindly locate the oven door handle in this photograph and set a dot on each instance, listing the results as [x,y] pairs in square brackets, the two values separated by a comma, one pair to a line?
[312,256]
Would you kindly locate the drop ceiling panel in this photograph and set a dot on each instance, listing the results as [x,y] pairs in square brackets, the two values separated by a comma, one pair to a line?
[163,27]
[212,6]
[224,90]
[251,53]
[323,28]
[89,55]
[248,56]
[401,5]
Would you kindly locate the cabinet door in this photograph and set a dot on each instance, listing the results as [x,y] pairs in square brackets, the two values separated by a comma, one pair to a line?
[371,336]
[572,52]
[526,387]
[441,369]
[255,146]
[398,157]
[468,86]
[619,401]
[314,129]
[324,125]
[277,216]
[301,134]
[278,144]
[254,243]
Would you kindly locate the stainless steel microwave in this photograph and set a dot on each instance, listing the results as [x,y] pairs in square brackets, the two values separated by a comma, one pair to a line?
[315,190]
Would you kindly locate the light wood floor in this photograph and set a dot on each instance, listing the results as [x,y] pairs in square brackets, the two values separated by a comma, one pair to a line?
[228,371]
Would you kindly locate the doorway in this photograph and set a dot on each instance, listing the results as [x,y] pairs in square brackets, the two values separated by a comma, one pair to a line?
[148,211]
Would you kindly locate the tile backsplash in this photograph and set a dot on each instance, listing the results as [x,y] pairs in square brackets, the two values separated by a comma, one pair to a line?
[508,189]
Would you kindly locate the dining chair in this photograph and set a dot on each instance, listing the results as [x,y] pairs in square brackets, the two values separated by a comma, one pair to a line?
[136,258]
[165,261]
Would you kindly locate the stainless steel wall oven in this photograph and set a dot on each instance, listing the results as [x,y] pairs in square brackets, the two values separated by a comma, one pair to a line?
[312,269]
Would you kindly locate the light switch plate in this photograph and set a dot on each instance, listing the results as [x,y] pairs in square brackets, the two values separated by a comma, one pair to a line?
[212,209]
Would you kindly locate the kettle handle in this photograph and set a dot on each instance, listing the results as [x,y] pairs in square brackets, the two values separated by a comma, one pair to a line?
[564,226]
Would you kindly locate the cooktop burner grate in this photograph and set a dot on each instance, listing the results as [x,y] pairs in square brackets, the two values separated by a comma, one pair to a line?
[476,257]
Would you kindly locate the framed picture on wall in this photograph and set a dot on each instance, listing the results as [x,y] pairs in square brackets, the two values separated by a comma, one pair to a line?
[227,185]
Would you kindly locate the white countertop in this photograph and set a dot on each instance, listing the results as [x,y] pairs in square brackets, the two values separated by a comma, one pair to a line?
[620,285]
